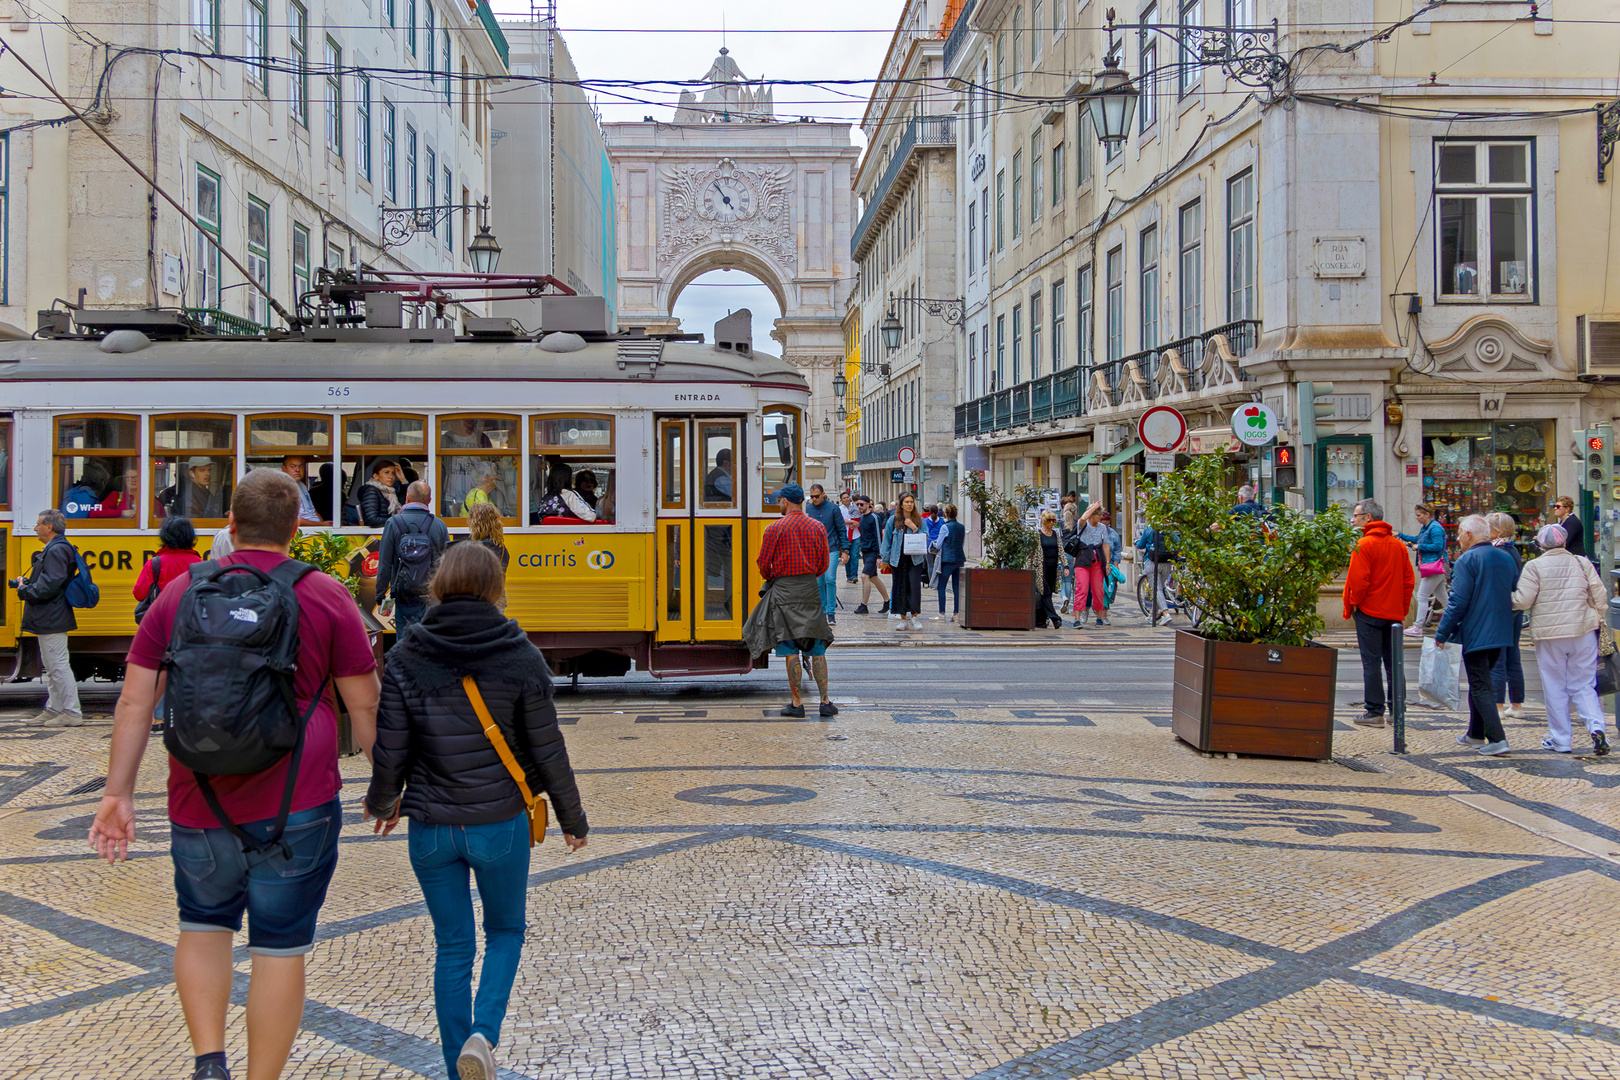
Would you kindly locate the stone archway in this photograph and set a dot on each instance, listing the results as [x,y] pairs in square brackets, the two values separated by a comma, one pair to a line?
[768,198]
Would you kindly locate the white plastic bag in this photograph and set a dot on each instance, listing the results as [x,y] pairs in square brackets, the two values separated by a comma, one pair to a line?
[1439,674]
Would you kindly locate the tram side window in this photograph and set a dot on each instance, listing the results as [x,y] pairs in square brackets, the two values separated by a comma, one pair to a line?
[301,447]
[5,464]
[478,462]
[716,441]
[193,467]
[382,454]
[572,470]
[781,453]
[98,469]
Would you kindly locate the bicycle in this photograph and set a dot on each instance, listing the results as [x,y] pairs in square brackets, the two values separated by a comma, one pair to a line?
[1172,593]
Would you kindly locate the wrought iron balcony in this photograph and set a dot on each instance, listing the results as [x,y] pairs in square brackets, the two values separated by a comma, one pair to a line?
[887,450]
[922,132]
[959,32]
[223,322]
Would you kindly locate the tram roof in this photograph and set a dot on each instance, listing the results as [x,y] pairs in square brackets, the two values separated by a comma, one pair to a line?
[51,360]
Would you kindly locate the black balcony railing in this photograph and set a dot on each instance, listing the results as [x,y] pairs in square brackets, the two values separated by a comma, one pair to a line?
[1063,394]
[959,32]
[887,450]
[921,131]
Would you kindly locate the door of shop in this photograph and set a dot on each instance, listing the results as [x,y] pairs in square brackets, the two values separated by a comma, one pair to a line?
[1344,471]
[701,534]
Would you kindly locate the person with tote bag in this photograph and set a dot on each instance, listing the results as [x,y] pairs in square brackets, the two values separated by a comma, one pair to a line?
[907,553]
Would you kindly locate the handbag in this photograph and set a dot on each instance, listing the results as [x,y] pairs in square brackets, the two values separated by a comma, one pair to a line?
[536,804]
[152,593]
[914,543]
[1432,569]
[1608,675]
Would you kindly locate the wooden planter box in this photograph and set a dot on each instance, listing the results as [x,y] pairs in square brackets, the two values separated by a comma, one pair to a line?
[998,599]
[1254,699]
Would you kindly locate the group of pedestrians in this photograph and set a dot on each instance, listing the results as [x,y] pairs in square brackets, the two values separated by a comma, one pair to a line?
[1493,596]
[462,735]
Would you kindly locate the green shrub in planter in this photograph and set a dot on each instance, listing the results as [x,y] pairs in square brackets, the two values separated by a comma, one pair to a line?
[1255,579]
[1008,543]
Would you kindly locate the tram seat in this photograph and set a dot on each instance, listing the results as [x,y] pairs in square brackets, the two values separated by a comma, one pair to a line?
[570,521]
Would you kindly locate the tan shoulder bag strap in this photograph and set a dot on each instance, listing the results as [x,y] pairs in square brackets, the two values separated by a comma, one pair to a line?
[536,805]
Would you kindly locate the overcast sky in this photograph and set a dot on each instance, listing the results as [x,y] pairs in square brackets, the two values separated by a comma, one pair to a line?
[654,39]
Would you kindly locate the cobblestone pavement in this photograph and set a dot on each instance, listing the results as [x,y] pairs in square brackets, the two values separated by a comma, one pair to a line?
[972,872]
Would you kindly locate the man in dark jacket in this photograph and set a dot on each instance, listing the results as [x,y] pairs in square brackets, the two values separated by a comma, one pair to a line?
[48,616]
[1479,614]
[826,512]
[1377,593]
[870,540]
[395,557]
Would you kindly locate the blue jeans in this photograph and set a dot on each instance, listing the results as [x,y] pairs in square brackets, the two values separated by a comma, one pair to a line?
[828,583]
[950,572]
[854,565]
[498,855]
[408,613]
[1066,575]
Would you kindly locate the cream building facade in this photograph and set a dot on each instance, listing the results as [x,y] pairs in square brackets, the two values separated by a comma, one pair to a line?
[283,126]
[1431,244]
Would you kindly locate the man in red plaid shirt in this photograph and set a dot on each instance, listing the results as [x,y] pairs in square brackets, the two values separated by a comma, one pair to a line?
[792,557]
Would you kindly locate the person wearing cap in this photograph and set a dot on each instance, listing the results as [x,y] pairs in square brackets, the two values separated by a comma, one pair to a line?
[1566,601]
[192,495]
[793,554]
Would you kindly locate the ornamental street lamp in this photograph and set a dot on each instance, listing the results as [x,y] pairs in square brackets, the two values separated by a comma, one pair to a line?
[484,252]
[953,312]
[843,414]
[1112,102]
[890,328]
[840,386]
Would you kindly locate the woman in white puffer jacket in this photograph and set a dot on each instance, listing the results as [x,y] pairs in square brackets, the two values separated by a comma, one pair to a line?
[1565,599]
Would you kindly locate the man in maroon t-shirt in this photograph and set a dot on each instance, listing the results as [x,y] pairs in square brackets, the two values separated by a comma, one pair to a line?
[281,891]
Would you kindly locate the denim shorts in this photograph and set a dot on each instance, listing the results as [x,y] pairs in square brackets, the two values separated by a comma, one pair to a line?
[216,882]
[791,648]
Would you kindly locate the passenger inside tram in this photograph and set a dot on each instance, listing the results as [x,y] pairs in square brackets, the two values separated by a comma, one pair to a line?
[719,484]
[87,492]
[561,501]
[378,498]
[121,501]
[192,493]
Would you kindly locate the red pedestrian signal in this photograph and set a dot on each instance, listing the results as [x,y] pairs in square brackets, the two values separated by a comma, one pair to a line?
[1285,455]
[1595,442]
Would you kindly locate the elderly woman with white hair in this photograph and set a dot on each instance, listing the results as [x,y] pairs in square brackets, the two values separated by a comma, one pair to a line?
[1479,615]
[1565,599]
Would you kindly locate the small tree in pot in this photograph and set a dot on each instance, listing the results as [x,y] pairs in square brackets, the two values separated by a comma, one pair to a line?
[1250,681]
[996,596]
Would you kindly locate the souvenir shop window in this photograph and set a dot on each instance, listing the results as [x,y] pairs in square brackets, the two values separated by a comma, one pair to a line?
[1479,467]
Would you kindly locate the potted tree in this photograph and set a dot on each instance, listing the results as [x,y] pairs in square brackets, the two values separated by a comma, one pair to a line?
[1251,680]
[997,594]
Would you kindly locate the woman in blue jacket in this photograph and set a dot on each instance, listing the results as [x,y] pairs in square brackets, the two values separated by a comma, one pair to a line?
[1430,543]
[952,557]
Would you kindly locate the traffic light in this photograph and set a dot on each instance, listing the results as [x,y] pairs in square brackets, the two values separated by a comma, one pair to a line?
[1313,409]
[1599,465]
[1286,473]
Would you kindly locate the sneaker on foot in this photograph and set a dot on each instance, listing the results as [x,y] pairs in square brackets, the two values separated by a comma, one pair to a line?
[884,610]
[1413,631]
[1600,744]
[477,1059]
[1468,740]
[795,711]
[211,1070]
[832,620]
[1370,719]
[1164,619]
[1548,744]
[64,719]
[1101,621]
[1078,624]
[42,716]
[1494,749]
[1515,711]
[828,709]
[862,610]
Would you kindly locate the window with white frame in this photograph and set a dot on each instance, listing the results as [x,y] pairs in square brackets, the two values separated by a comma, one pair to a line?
[427,41]
[984,226]
[256,44]
[300,260]
[1036,323]
[205,22]
[334,97]
[258,260]
[972,238]
[1017,344]
[1001,352]
[1057,325]
[444,64]
[449,192]
[1485,210]
[1240,262]
[1036,12]
[1082,152]
[1037,176]
[410,166]
[1190,230]
[1017,194]
[1057,173]
[1059,16]
[972,361]
[362,124]
[1148,287]
[1147,106]
[1018,44]
[298,42]
[208,261]
[1001,208]
[430,167]
[1192,14]
[390,153]
[1240,13]
[334,256]
[389,13]
[1116,304]
[1085,324]
[410,28]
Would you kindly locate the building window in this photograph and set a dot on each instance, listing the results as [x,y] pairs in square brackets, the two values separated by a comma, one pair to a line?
[444,63]
[1018,344]
[1192,14]
[984,225]
[1085,325]
[1037,174]
[1240,12]
[1190,225]
[205,22]
[1035,325]
[362,125]
[1057,326]
[334,256]
[208,259]
[334,97]
[1017,193]
[258,260]
[449,215]
[427,40]
[1082,152]
[1148,293]
[1018,45]
[430,166]
[1485,246]
[973,360]
[1001,352]
[410,27]
[466,94]
[298,34]
[1057,174]
[410,166]
[1035,15]
[390,157]
[5,241]
[389,14]
[300,260]
[1240,268]
[1116,304]
[1147,108]
[1001,208]
[972,237]
[256,44]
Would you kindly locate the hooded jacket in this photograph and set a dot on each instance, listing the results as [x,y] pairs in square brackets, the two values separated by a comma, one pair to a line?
[430,742]
[1381,579]
[1562,593]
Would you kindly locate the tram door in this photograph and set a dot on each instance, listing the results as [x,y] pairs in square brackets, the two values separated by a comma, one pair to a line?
[701,538]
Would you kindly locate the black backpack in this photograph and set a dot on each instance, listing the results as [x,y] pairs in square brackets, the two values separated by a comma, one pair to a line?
[156,563]
[228,705]
[413,561]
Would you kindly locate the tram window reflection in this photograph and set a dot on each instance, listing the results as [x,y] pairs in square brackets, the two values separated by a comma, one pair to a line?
[717,443]
[98,469]
[193,467]
[385,452]
[478,463]
[299,446]
[5,464]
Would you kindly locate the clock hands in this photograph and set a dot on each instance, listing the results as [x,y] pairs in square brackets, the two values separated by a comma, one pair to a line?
[723,196]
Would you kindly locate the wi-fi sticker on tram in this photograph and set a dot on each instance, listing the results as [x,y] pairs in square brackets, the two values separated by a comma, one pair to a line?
[599,560]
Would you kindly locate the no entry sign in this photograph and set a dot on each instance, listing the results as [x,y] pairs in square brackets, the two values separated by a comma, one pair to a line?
[1161,429]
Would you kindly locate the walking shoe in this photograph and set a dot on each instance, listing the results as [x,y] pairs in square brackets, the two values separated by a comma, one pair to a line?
[916,622]
[884,610]
[477,1060]
[1078,624]
[1164,619]
[905,624]
[1468,740]
[795,711]
[1548,744]
[832,620]
[1064,610]
[1600,744]
[862,610]
[1370,719]
[211,1070]
[1494,749]
[828,709]
[1515,711]
[1413,631]
[42,717]
[953,616]
[1101,621]
[64,719]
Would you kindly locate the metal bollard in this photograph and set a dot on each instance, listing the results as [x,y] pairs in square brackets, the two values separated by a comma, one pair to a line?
[1397,686]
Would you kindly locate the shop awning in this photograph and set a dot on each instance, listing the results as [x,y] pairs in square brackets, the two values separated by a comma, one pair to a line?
[1083,462]
[1111,465]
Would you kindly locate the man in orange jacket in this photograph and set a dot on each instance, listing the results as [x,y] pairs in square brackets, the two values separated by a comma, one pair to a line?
[1377,594]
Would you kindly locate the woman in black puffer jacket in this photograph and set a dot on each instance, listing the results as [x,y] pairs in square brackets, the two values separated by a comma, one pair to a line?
[467,813]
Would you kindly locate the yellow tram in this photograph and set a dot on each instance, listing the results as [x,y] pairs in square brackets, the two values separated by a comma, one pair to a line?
[684,440]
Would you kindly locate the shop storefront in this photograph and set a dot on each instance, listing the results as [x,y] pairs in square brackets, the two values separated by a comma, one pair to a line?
[1344,473]
[1481,466]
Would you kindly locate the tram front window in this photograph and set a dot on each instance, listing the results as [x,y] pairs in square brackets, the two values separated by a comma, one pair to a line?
[781,453]
[301,447]
[390,450]
[98,469]
[478,462]
[193,467]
